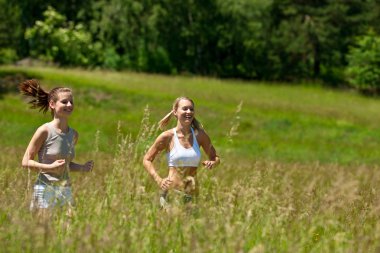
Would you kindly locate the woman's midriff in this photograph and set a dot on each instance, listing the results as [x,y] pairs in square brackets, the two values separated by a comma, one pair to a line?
[183,178]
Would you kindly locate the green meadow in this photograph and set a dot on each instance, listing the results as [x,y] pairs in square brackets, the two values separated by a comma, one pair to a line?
[299,169]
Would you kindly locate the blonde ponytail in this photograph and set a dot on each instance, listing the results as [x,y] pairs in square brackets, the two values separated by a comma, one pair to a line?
[196,124]
[165,120]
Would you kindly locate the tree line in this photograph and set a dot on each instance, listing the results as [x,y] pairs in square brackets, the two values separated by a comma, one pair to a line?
[334,41]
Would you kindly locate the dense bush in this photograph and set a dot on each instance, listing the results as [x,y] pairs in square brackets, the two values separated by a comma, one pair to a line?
[363,71]
[56,40]
[8,55]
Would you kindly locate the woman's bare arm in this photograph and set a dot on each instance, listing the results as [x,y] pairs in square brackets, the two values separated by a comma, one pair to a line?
[205,142]
[34,146]
[160,144]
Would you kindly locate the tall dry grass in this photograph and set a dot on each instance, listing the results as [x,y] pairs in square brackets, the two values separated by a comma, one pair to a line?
[243,206]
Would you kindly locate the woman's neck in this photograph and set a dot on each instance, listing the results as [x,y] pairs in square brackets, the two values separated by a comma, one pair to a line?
[61,124]
[183,129]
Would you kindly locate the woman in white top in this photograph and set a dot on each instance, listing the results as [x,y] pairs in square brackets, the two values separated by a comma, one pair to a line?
[54,143]
[182,145]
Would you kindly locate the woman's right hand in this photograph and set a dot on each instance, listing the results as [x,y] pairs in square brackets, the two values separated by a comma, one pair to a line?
[57,167]
[165,183]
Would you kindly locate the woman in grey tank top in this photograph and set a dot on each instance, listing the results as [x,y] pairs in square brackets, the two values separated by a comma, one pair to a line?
[54,144]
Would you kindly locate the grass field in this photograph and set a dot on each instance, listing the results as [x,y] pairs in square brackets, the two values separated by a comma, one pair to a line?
[299,168]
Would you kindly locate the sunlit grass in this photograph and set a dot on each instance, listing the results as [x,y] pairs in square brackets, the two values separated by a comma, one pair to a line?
[276,122]
[298,174]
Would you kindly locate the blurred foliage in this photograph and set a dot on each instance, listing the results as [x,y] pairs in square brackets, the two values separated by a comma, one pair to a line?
[363,69]
[285,40]
[56,40]
[7,55]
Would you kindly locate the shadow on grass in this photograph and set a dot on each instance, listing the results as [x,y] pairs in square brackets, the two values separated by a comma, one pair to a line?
[9,81]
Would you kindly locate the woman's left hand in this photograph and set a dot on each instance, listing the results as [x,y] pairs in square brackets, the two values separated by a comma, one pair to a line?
[87,167]
[209,164]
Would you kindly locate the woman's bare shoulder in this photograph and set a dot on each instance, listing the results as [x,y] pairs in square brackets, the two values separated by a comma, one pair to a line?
[201,133]
[202,137]
[43,129]
[41,134]
[166,135]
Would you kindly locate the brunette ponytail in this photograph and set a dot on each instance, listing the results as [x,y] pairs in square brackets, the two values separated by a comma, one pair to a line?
[39,97]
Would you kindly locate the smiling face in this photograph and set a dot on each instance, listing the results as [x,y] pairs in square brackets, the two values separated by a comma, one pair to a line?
[64,105]
[184,112]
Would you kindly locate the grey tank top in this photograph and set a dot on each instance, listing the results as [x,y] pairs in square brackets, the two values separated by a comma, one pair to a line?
[56,146]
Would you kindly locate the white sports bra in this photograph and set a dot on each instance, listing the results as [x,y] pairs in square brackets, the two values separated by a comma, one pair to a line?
[179,156]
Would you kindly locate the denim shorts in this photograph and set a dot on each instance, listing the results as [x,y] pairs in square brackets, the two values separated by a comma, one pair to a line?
[49,196]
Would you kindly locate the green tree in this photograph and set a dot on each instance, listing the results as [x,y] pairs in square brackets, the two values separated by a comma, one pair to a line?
[10,32]
[253,39]
[312,37]
[55,39]
[363,71]
[128,32]
[242,37]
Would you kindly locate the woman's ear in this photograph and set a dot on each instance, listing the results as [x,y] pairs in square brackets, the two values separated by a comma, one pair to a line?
[51,104]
